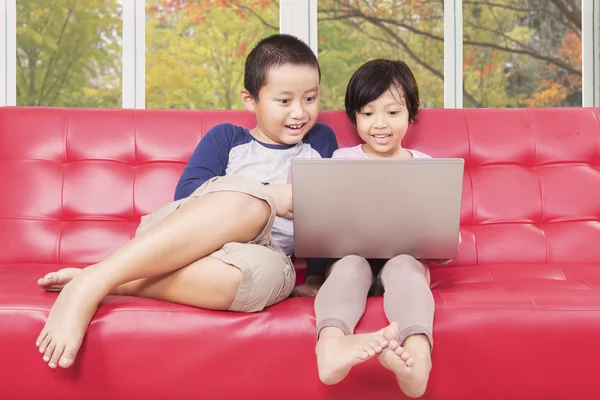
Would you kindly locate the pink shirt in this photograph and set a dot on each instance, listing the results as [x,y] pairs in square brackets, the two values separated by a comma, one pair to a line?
[358,152]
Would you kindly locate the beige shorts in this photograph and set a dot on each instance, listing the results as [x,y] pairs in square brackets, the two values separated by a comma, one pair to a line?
[268,275]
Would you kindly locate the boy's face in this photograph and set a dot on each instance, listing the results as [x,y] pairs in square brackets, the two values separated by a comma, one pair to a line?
[287,106]
[383,123]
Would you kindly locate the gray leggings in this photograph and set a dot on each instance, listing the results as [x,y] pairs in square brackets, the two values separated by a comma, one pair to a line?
[407,298]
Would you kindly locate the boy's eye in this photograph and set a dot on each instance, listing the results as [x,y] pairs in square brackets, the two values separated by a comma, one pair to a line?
[311,99]
[284,101]
[394,112]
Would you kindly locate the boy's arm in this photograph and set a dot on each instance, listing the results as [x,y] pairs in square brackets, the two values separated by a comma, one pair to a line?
[208,160]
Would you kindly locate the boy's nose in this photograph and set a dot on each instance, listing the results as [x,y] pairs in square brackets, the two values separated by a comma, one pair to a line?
[297,112]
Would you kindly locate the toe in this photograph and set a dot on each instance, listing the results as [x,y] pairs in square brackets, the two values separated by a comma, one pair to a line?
[58,352]
[410,362]
[49,351]
[405,355]
[376,346]
[394,345]
[41,337]
[68,357]
[364,355]
[390,331]
[383,342]
[45,343]
[49,279]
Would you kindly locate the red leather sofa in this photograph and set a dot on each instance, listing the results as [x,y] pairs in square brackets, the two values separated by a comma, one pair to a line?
[517,314]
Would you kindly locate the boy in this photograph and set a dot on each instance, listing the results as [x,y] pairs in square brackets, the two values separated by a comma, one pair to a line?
[224,243]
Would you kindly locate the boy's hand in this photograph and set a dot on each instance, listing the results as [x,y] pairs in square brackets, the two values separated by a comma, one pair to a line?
[308,288]
[282,195]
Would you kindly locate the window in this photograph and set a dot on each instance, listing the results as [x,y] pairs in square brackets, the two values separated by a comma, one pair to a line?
[69,53]
[522,53]
[353,32]
[195,50]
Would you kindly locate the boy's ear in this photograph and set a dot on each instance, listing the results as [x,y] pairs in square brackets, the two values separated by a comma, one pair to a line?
[248,100]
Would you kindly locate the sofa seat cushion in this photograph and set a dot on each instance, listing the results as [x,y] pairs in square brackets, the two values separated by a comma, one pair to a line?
[487,319]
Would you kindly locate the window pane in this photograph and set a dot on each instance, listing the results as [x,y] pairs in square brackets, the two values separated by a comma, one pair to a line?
[522,53]
[355,31]
[195,50]
[69,53]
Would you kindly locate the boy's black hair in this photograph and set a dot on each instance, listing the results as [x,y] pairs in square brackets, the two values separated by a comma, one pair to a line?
[374,78]
[275,51]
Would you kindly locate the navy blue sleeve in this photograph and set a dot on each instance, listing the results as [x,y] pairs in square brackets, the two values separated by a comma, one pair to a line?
[208,160]
[322,138]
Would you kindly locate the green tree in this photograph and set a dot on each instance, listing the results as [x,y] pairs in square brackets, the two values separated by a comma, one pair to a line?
[69,53]
[196,50]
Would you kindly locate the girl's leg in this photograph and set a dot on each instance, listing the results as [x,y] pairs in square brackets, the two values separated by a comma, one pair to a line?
[339,305]
[408,301]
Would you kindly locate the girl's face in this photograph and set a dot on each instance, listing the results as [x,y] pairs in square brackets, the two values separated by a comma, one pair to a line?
[382,125]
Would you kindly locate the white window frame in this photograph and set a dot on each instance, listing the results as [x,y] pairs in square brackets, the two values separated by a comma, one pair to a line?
[134,54]
[596,54]
[299,18]
[8,53]
[590,48]
[453,54]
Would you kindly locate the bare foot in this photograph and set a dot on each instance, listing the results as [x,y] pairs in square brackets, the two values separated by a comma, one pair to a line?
[56,281]
[411,364]
[338,353]
[67,322]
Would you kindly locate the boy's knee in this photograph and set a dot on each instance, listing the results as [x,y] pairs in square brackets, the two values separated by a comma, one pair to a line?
[254,207]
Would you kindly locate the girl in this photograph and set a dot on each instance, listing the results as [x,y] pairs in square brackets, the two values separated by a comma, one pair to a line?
[382,100]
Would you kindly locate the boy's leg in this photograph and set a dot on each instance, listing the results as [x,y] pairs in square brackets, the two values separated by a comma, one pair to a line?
[339,305]
[222,214]
[408,301]
[194,285]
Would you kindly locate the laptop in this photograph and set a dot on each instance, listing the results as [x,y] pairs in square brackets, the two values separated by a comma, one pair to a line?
[377,208]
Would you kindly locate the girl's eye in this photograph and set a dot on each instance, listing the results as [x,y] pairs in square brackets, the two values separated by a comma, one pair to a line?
[393,112]
[310,99]
[367,114]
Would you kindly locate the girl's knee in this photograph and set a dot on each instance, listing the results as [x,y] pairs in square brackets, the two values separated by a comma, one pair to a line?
[352,266]
[404,264]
